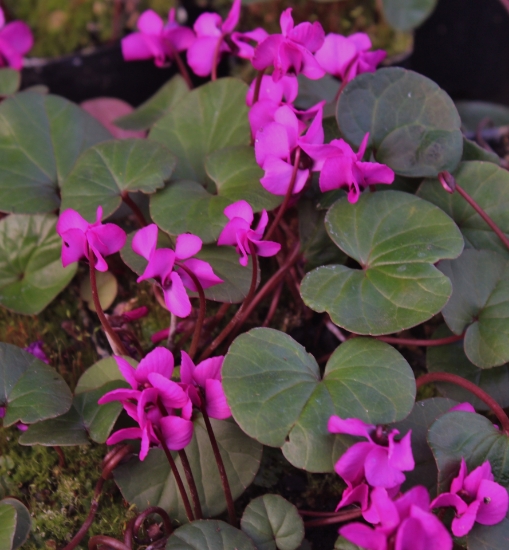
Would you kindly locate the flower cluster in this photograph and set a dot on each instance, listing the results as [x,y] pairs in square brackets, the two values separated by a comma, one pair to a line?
[163,408]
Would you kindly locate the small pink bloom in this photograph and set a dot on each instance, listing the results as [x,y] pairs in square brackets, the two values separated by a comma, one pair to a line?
[341,167]
[165,266]
[210,37]
[78,235]
[16,40]
[464,407]
[157,40]
[292,51]
[346,57]
[476,498]
[35,348]
[238,232]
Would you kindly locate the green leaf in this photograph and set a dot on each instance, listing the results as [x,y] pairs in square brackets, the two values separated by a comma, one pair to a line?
[472,151]
[209,535]
[23,522]
[480,305]
[10,81]
[223,259]
[209,118]
[106,172]
[406,15]
[107,288]
[29,389]
[313,91]
[272,522]
[489,537]
[457,435]
[85,418]
[473,112]
[395,237]
[452,358]
[413,125]
[161,103]
[488,185]
[41,137]
[100,373]
[419,421]
[8,516]
[343,544]
[31,272]
[151,483]
[277,395]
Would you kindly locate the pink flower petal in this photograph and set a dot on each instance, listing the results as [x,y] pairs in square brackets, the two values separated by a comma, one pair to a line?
[278,175]
[457,482]
[266,249]
[177,432]
[200,55]
[273,141]
[159,267]
[379,472]
[286,21]
[431,532]
[382,510]
[19,36]
[337,172]
[127,371]
[356,495]
[375,173]
[177,39]
[159,360]
[364,536]
[216,404]
[232,19]
[400,452]
[350,426]
[187,245]
[208,25]
[204,273]
[137,47]
[229,234]
[150,23]
[208,369]
[473,479]
[261,114]
[351,465]
[266,52]
[336,54]
[309,35]
[449,499]
[107,239]
[145,241]
[70,219]
[186,369]
[126,433]
[464,407]
[176,298]
[494,502]
[462,525]
[240,209]
[145,443]
[171,394]
[74,246]
[119,395]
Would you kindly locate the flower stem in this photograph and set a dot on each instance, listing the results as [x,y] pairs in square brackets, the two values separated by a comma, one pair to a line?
[115,343]
[176,474]
[183,69]
[258,85]
[416,342]
[134,207]
[500,234]
[470,386]
[288,195]
[201,316]
[338,518]
[235,319]
[215,59]
[220,465]
[191,484]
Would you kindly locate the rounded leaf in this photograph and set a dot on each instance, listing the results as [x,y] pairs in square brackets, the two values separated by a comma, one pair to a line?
[209,535]
[23,522]
[407,14]
[107,288]
[10,80]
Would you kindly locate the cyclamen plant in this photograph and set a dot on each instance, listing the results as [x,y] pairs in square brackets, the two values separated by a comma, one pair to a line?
[378,231]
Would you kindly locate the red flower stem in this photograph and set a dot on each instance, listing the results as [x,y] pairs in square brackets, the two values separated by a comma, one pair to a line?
[115,343]
[215,59]
[258,85]
[134,526]
[268,287]
[220,465]
[176,474]
[109,463]
[339,518]
[103,541]
[320,514]
[416,342]
[245,304]
[61,456]
[181,65]
[341,88]
[273,305]
[134,207]
[500,234]
[288,195]
[201,315]
[191,484]
[471,387]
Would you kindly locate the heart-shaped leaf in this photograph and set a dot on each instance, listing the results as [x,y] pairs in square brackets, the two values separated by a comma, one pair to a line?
[277,395]
[10,80]
[488,185]
[489,537]
[480,305]
[31,272]
[148,113]
[395,237]
[151,483]
[272,522]
[223,259]
[15,524]
[413,125]
[472,151]
[209,118]
[457,435]
[343,544]
[8,516]
[452,358]
[112,169]
[421,418]
[407,14]
[30,390]
[41,137]
[210,535]
[473,112]
[107,288]
[100,373]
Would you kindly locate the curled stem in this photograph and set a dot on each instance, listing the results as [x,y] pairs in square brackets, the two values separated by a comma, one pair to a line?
[220,465]
[471,387]
[417,342]
[115,342]
[240,312]
[191,484]
[201,316]
[289,191]
[132,531]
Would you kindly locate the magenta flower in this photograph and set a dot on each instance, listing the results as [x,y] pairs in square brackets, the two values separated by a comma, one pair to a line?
[210,39]
[403,524]
[476,498]
[35,348]
[152,402]
[165,266]
[207,377]
[340,167]
[157,40]
[78,236]
[16,40]
[292,51]
[346,57]
[380,462]
[238,232]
